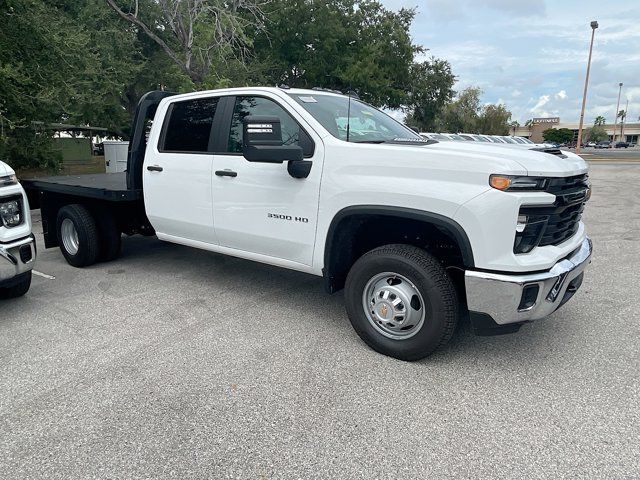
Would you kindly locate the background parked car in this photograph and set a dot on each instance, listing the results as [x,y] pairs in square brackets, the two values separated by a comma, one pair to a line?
[605,144]
[435,136]
[622,145]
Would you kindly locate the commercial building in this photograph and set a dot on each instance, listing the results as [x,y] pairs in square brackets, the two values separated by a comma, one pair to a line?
[628,132]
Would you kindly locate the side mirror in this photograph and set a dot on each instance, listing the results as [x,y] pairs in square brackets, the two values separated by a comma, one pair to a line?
[262,141]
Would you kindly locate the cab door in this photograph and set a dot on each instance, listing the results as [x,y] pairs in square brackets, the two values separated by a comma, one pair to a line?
[178,169]
[259,207]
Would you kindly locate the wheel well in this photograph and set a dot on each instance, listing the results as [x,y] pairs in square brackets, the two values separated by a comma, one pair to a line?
[351,235]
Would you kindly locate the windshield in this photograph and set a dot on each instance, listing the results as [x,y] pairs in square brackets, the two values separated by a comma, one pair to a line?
[526,140]
[508,140]
[518,140]
[366,124]
[480,138]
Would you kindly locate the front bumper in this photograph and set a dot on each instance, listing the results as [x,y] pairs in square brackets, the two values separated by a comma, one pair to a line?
[16,258]
[500,295]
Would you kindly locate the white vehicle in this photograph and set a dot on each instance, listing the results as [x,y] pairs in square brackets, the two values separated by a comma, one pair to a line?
[17,244]
[441,137]
[416,232]
[529,143]
[505,141]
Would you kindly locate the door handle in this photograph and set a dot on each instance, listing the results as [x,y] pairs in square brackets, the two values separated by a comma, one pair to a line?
[154,168]
[226,173]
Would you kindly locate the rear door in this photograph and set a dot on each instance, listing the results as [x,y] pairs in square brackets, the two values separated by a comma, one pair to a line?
[177,172]
[261,208]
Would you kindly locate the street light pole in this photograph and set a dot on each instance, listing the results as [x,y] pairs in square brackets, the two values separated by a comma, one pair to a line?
[615,122]
[594,25]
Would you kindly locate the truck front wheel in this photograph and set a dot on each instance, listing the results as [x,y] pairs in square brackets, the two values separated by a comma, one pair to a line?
[77,236]
[401,301]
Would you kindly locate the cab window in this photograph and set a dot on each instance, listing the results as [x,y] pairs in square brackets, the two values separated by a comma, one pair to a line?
[292,133]
[188,126]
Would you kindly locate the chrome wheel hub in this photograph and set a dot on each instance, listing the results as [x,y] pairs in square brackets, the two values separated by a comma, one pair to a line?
[393,305]
[69,236]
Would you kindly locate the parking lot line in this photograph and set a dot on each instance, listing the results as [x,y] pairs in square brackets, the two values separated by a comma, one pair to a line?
[43,275]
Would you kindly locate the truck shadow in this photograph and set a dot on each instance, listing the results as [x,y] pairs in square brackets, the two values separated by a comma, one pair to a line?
[253,281]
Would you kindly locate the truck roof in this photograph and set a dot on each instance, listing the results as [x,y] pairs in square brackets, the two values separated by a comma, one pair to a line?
[242,90]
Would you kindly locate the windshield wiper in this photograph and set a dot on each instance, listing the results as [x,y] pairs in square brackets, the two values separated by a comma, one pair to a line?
[370,141]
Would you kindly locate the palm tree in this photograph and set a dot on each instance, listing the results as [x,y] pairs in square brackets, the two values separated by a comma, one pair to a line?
[515,124]
[600,120]
[528,123]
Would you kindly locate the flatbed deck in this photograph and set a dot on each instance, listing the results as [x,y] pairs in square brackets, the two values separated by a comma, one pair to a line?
[103,186]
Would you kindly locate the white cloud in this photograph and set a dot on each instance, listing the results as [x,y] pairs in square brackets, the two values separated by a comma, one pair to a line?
[533,53]
[542,101]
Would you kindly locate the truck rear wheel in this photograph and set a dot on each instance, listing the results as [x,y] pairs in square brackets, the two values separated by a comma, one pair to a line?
[18,289]
[77,236]
[401,301]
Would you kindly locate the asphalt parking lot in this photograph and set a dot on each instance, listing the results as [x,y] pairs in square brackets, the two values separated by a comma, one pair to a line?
[180,363]
[631,154]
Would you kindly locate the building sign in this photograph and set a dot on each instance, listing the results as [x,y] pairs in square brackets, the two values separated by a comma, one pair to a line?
[546,120]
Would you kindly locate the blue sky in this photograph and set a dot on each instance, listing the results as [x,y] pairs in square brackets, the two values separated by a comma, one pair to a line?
[531,54]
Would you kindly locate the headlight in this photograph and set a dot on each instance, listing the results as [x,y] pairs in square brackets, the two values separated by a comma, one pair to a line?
[511,183]
[7,180]
[10,212]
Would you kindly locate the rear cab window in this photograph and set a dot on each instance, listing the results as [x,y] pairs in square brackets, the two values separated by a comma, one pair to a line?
[187,126]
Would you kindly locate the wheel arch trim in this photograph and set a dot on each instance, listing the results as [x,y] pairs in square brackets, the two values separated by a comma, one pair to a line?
[453,228]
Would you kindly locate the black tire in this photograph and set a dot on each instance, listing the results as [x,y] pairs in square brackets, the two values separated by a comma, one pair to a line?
[110,237]
[434,285]
[18,289]
[88,241]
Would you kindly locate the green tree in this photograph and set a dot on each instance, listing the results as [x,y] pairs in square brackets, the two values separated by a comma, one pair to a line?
[198,35]
[595,134]
[558,135]
[600,120]
[462,114]
[622,115]
[493,120]
[41,54]
[339,44]
[71,62]
[431,89]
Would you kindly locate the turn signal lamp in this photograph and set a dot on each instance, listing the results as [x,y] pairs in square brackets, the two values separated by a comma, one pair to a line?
[511,183]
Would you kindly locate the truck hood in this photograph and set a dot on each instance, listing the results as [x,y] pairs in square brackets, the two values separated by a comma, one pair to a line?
[535,163]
